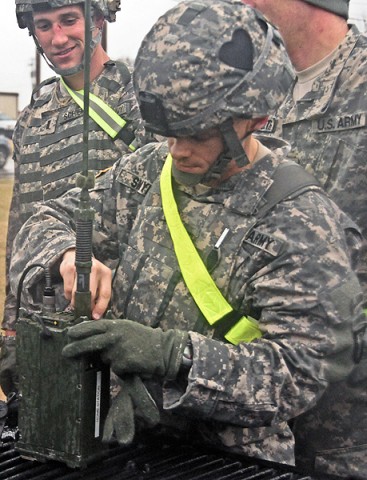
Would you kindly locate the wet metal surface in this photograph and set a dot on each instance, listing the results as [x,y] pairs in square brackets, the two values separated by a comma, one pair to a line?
[151,461]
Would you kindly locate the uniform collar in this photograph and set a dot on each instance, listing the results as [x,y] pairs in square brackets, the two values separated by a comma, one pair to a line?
[318,100]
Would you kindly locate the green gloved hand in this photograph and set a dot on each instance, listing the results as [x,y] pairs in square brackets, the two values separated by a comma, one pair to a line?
[132,403]
[8,365]
[129,347]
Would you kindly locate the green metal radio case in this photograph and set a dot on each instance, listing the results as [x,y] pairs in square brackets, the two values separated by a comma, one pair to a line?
[63,402]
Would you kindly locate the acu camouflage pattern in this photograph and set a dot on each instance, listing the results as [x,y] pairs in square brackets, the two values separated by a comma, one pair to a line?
[48,148]
[281,268]
[202,44]
[327,130]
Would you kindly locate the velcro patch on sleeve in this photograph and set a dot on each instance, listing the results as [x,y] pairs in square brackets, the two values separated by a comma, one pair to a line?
[134,182]
[265,242]
[339,123]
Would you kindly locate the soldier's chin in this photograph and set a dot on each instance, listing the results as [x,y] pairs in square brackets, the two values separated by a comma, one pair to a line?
[186,178]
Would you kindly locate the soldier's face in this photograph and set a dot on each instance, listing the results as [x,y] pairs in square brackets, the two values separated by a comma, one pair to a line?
[60,33]
[196,155]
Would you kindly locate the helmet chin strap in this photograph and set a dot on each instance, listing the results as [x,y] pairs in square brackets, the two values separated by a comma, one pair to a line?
[233,150]
[233,145]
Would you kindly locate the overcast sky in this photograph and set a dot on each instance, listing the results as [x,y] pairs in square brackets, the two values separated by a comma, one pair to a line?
[17,50]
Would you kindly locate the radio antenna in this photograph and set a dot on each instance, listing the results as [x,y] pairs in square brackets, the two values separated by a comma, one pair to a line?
[84,215]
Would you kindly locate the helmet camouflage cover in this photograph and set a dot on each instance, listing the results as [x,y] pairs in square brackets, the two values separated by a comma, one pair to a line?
[24,8]
[206,61]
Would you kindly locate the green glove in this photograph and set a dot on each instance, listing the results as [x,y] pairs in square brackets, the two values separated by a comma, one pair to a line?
[129,347]
[132,402]
[8,365]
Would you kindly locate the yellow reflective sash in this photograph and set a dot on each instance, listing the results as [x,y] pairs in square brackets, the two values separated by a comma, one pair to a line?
[203,289]
[100,112]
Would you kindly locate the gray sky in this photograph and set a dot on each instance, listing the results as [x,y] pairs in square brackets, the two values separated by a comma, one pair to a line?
[17,50]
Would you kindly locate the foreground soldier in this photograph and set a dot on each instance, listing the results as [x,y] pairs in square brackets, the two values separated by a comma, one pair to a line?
[324,119]
[271,246]
[48,138]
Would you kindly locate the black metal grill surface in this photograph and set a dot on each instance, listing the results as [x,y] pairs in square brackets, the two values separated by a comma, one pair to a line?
[157,461]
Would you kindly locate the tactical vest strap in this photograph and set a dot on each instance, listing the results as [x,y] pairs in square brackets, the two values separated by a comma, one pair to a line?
[203,289]
[45,83]
[103,115]
[289,179]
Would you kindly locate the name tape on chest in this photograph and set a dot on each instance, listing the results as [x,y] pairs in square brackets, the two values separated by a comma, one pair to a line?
[264,242]
[134,182]
[339,123]
[70,114]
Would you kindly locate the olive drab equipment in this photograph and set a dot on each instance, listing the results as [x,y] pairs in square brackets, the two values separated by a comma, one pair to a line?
[289,179]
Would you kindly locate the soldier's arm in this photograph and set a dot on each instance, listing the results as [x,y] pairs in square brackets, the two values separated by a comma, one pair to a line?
[308,299]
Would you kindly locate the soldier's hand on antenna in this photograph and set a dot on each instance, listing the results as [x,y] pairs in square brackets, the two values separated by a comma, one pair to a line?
[100,283]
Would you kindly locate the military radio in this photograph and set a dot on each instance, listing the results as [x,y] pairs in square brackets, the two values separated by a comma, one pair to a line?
[63,402]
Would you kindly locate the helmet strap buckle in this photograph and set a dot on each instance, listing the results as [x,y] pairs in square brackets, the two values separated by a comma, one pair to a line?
[233,144]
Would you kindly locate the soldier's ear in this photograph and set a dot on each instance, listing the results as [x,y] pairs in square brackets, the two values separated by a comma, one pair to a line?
[99,20]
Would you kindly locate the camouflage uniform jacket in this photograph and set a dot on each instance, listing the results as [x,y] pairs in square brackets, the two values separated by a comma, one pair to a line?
[282,268]
[327,130]
[48,147]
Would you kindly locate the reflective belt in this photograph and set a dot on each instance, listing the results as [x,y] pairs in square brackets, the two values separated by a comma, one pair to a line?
[100,112]
[203,289]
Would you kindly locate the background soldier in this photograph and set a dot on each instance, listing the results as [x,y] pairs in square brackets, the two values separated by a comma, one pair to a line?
[324,119]
[207,76]
[48,138]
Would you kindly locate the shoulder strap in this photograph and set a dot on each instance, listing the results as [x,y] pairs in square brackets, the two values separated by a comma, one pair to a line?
[101,113]
[200,284]
[48,81]
[289,179]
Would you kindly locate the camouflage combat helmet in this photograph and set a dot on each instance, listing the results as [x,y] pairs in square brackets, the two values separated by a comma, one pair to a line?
[24,8]
[206,62]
